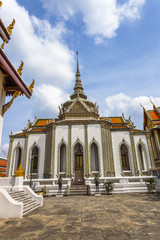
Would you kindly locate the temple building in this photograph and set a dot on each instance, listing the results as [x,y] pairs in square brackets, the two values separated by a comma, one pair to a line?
[79,144]
[3,164]
[151,123]
[11,83]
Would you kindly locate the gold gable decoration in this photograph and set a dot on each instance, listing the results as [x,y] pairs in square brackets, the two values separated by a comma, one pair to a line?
[9,29]
[78,108]
[19,70]
[31,86]
[0,3]
[8,105]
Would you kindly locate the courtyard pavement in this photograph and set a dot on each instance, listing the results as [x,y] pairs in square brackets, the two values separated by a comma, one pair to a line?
[121,217]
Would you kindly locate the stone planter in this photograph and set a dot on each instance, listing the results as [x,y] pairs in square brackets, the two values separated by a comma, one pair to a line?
[151,187]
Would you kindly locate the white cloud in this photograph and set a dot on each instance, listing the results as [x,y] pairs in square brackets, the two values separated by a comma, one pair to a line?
[102,18]
[46,57]
[49,98]
[4,150]
[121,103]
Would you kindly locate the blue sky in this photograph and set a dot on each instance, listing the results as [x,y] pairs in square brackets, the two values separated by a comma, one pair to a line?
[119,55]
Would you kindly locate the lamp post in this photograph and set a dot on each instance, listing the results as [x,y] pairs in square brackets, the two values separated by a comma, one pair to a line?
[32,159]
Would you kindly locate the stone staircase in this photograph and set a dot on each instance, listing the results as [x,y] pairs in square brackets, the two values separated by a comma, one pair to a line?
[28,203]
[77,189]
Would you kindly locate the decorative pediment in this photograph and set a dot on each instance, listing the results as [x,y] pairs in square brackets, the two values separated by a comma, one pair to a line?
[78,107]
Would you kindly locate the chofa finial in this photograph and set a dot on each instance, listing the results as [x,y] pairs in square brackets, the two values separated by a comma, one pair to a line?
[19,70]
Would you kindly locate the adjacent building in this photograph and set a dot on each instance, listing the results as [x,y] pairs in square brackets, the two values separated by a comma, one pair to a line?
[151,123]
[11,83]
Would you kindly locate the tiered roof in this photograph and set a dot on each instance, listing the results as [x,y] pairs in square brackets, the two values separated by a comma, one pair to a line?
[151,118]
[78,107]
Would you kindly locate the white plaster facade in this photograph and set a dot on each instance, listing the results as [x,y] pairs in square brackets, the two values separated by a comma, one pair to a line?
[94,134]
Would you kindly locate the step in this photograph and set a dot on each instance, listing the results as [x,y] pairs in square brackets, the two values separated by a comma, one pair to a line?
[31,209]
[28,203]
[15,193]
[19,197]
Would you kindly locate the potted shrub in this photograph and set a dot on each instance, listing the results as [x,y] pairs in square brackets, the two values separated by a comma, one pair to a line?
[45,191]
[109,186]
[97,182]
[151,183]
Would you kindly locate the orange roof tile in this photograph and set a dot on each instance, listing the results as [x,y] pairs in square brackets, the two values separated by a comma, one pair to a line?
[3,163]
[116,120]
[118,127]
[38,129]
[20,134]
[41,122]
[153,114]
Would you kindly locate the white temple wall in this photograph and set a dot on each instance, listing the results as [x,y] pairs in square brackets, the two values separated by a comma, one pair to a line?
[117,137]
[60,135]
[143,140]
[78,132]
[94,133]
[39,140]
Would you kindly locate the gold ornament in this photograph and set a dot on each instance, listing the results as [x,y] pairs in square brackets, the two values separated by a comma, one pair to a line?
[19,172]
[0,3]
[8,105]
[19,70]
[2,46]
[31,86]
[10,27]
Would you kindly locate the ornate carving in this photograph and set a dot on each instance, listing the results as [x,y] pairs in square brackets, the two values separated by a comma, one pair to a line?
[31,86]
[19,70]
[8,105]
[9,29]
[3,44]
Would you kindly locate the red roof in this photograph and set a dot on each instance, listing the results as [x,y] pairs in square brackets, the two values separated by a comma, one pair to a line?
[15,77]
[3,32]
[153,115]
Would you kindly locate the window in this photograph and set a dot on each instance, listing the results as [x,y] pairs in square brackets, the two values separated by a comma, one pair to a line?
[124,157]
[34,160]
[94,158]
[141,156]
[63,158]
[18,157]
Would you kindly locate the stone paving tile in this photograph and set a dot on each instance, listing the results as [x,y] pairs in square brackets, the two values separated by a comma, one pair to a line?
[121,217]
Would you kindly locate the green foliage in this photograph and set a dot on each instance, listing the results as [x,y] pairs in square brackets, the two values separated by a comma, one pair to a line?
[109,186]
[150,180]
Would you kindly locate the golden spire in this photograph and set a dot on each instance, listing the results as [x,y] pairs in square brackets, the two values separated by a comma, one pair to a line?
[78,89]
[0,3]
[10,27]
[31,86]
[19,70]
[19,172]
[77,73]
